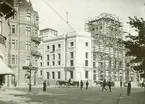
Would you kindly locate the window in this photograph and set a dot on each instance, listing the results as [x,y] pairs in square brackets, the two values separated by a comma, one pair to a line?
[59,45]
[14,44]
[53,48]
[13,59]
[71,55]
[53,75]
[41,57]
[53,62]
[71,74]
[28,31]
[86,54]
[59,56]
[37,19]
[59,75]
[86,62]
[47,47]
[71,43]
[86,74]
[0,27]
[58,62]
[93,29]
[27,60]
[41,72]
[47,63]
[13,29]
[71,63]
[86,44]
[28,17]
[40,63]
[53,56]
[28,45]
[36,32]
[47,57]
[48,75]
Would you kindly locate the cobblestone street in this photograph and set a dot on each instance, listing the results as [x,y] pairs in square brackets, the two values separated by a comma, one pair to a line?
[72,96]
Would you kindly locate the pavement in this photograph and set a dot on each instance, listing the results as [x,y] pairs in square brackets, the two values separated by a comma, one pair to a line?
[20,95]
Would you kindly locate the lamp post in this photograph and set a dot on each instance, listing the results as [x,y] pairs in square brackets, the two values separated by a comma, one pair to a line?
[30,68]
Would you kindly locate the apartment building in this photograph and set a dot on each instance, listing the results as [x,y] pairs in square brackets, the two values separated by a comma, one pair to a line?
[66,56]
[6,11]
[23,41]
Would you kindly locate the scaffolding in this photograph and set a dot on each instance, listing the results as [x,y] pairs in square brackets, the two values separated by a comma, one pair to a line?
[108,54]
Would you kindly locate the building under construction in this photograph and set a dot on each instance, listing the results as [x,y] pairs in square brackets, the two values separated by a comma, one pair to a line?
[108,53]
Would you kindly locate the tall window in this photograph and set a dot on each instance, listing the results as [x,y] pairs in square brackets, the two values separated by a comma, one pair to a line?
[59,75]
[36,32]
[71,55]
[37,19]
[53,48]
[86,44]
[48,75]
[41,72]
[27,60]
[14,44]
[13,59]
[59,56]
[47,63]
[53,75]
[53,63]
[59,63]
[59,45]
[86,54]
[28,45]
[71,43]
[86,74]
[0,27]
[71,74]
[86,62]
[40,63]
[28,16]
[47,57]
[13,29]
[28,31]
[71,62]
[53,56]
[47,47]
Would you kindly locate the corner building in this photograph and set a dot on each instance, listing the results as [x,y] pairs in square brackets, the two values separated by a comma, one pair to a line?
[23,41]
[66,56]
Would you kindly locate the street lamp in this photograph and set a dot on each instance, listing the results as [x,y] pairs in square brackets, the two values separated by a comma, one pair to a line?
[30,68]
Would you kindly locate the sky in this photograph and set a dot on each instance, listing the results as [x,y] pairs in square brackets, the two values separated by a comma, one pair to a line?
[80,11]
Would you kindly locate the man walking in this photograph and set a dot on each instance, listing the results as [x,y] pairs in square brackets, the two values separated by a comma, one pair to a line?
[120,83]
[81,85]
[44,86]
[104,85]
[109,85]
[87,84]
[129,88]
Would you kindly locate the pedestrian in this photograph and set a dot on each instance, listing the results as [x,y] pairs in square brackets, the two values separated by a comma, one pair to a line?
[81,85]
[129,88]
[104,85]
[44,86]
[120,83]
[109,85]
[87,84]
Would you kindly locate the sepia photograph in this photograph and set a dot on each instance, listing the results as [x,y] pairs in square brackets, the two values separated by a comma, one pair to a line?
[72,51]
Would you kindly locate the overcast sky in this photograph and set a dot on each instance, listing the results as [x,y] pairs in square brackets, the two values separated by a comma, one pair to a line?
[79,11]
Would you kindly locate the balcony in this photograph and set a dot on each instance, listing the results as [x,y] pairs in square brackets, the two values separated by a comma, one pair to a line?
[6,8]
[35,53]
[2,40]
[36,39]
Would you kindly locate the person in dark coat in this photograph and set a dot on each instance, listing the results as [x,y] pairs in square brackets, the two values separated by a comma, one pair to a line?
[87,84]
[109,85]
[120,83]
[81,84]
[104,85]
[129,88]
[44,86]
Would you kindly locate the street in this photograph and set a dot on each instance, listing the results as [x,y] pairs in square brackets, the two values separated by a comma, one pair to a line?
[74,96]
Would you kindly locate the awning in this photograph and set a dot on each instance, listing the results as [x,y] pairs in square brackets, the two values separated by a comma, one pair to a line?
[4,70]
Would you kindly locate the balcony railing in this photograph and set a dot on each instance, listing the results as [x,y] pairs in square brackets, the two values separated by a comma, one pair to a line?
[36,39]
[35,53]
[2,39]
